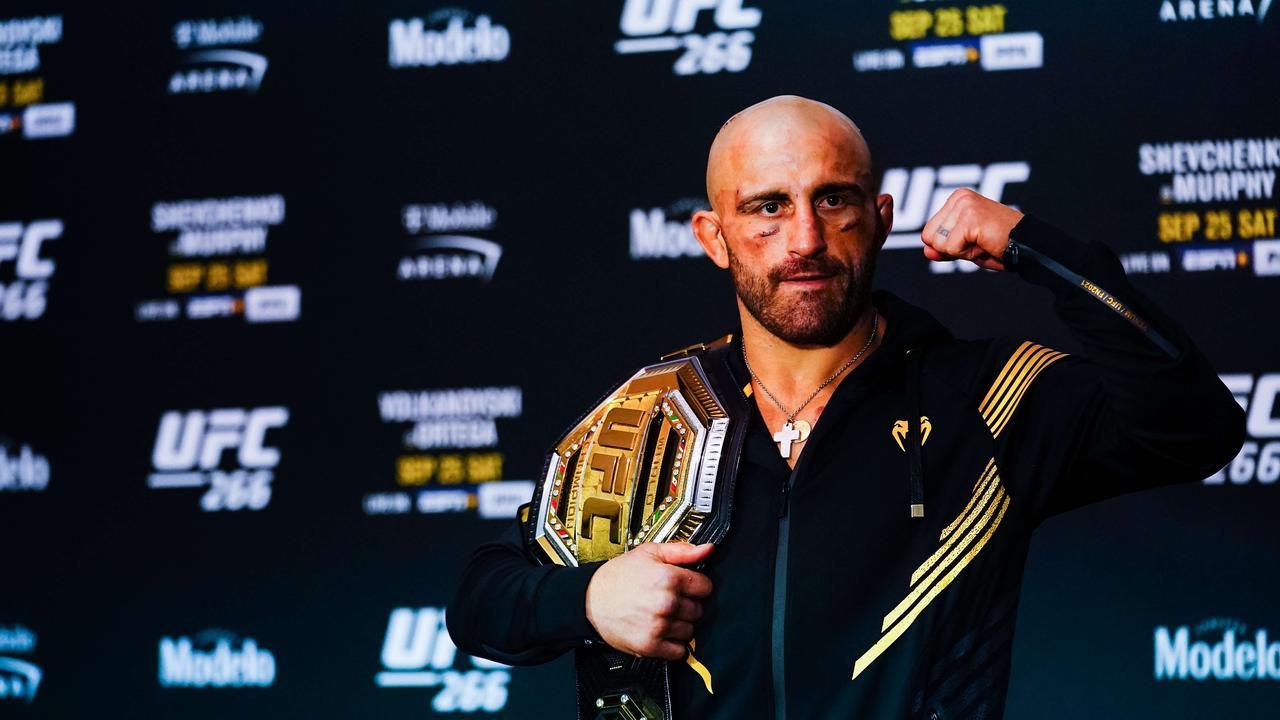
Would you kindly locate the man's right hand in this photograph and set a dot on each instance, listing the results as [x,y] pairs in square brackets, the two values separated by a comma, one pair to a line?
[643,603]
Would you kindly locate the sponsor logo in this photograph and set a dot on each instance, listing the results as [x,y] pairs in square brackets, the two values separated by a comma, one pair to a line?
[920,192]
[418,653]
[22,469]
[438,250]
[1217,202]
[19,678]
[900,429]
[1266,257]
[665,232]
[23,105]
[218,266]
[450,461]
[194,450]
[215,659]
[49,120]
[209,65]
[24,292]
[447,37]
[1259,458]
[951,36]
[668,26]
[1184,10]
[1216,649]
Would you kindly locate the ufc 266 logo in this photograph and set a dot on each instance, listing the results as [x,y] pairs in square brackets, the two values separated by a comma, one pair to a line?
[223,450]
[920,192]
[1259,457]
[418,652]
[23,297]
[667,25]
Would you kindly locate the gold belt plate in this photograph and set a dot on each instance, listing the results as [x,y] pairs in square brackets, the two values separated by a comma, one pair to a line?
[640,467]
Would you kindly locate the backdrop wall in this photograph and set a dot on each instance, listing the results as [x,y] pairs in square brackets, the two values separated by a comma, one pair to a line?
[294,296]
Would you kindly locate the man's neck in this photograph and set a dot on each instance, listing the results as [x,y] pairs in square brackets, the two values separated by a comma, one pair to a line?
[792,372]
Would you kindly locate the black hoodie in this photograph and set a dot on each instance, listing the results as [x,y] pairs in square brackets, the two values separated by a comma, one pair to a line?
[831,598]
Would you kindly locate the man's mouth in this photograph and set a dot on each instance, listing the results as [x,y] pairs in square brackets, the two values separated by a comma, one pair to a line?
[808,279]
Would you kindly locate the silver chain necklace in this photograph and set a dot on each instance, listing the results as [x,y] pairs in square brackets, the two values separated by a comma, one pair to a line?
[798,432]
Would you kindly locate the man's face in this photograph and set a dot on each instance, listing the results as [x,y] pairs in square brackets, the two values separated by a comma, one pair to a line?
[801,228]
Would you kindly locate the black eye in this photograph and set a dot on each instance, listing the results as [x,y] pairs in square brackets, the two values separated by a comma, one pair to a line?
[834,200]
[770,208]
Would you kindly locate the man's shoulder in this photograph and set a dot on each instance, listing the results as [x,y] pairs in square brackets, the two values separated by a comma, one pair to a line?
[979,368]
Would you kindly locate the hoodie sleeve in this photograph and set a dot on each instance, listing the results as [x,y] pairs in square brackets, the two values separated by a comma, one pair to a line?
[512,610]
[1141,408]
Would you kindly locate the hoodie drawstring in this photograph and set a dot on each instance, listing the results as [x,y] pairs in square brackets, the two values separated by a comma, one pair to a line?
[915,437]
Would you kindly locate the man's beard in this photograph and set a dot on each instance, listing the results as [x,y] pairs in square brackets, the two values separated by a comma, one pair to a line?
[812,317]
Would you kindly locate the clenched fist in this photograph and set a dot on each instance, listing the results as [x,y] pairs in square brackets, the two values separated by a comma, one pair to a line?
[643,603]
[970,227]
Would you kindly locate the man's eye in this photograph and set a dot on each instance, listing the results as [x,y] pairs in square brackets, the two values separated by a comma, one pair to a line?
[770,208]
[833,201]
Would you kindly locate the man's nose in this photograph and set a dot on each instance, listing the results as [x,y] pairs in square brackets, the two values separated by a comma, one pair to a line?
[806,238]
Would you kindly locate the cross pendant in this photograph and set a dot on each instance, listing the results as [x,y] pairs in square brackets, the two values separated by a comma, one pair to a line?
[790,433]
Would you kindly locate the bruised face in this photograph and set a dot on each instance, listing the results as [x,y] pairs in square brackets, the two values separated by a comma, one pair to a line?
[794,213]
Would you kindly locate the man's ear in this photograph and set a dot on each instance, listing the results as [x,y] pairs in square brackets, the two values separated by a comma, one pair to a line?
[884,206]
[706,228]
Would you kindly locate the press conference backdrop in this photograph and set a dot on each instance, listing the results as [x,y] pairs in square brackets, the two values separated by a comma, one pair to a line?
[294,297]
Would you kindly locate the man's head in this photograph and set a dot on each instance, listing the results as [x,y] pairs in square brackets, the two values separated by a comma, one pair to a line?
[793,217]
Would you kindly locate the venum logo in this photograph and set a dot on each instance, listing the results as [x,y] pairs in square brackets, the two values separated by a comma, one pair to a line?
[1216,649]
[443,38]
[1259,456]
[665,232]
[24,295]
[418,653]
[920,192]
[439,252]
[667,25]
[190,448]
[215,659]
[217,69]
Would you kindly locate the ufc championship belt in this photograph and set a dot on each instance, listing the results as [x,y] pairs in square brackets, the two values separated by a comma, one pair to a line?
[655,461]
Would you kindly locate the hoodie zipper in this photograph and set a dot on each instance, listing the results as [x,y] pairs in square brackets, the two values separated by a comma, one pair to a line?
[779,622]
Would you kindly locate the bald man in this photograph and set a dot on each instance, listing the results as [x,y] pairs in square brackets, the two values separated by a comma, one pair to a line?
[892,474]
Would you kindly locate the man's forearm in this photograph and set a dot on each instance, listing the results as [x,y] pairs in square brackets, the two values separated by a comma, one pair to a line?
[513,611]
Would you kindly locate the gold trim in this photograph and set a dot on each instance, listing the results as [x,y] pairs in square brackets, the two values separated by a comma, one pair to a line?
[1004,395]
[1005,417]
[951,549]
[980,487]
[698,667]
[1005,371]
[1029,361]
[889,638]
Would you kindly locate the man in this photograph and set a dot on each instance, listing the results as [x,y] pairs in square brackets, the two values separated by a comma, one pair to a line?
[892,475]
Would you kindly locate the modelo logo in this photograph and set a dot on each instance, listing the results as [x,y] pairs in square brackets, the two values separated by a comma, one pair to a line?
[190,448]
[413,45]
[19,679]
[418,652]
[183,662]
[665,232]
[23,298]
[1259,457]
[1234,655]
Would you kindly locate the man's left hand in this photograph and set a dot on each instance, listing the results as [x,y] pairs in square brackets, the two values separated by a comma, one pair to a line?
[970,227]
